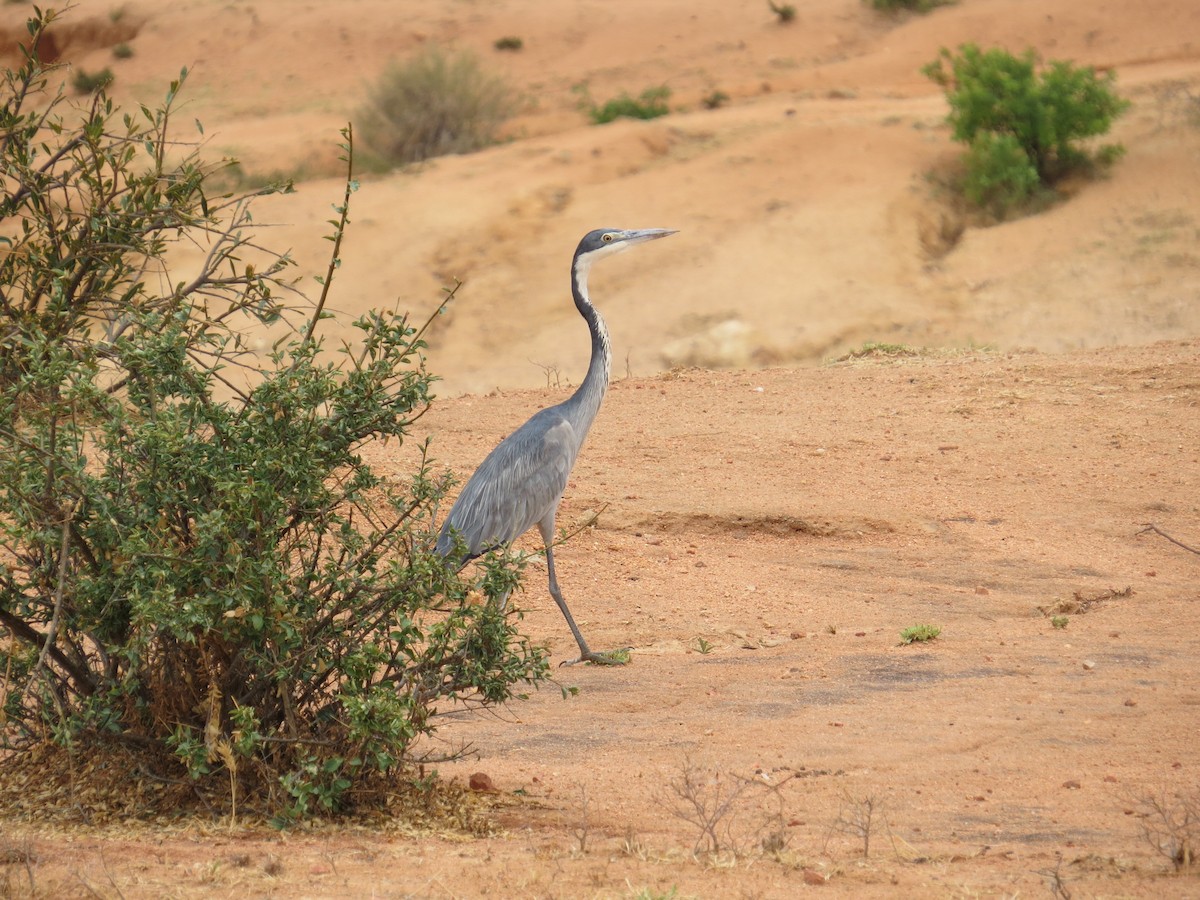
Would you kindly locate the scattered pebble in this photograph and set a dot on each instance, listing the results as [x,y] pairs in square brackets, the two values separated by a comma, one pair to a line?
[1072,785]
[1089,664]
[812,876]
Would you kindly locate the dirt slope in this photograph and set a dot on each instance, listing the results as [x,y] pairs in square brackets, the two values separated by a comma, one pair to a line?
[790,520]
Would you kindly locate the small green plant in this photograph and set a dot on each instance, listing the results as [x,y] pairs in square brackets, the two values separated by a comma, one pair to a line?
[1021,123]
[705,647]
[785,12]
[509,43]
[1059,622]
[831,629]
[650,104]
[84,82]
[432,105]
[715,100]
[122,51]
[917,633]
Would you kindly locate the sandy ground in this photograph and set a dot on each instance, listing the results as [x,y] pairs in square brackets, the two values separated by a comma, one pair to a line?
[768,525]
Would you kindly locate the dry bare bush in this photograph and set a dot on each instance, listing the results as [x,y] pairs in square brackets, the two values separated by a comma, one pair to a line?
[732,813]
[859,817]
[432,105]
[1169,821]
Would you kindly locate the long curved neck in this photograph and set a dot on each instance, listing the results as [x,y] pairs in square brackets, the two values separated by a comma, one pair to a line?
[583,405]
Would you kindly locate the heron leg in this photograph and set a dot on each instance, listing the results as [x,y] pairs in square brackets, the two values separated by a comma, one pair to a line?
[586,654]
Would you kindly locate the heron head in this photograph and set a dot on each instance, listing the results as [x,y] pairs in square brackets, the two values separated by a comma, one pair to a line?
[606,241]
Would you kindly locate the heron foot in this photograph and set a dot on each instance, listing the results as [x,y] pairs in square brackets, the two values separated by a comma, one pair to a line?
[611,658]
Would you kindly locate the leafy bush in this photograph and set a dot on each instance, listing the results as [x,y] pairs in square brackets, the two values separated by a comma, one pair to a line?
[784,12]
[88,83]
[433,105]
[196,564]
[1000,103]
[650,104]
[999,175]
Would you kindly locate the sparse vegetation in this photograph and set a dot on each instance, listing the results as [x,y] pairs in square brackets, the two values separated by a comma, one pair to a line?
[434,104]
[1023,126]
[915,634]
[715,100]
[84,82]
[204,585]
[1059,622]
[122,51]
[1170,823]
[878,349]
[509,43]
[703,646]
[784,12]
[650,104]
[709,800]
[859,817]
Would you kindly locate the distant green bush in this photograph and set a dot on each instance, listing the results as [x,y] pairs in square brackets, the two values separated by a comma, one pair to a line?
[785,12]
[650,104]
[88,83]
[509,43]
[433,105]
[999,175]
[1023,126]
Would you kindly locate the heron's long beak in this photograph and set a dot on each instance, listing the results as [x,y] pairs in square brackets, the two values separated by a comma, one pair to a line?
[638,235]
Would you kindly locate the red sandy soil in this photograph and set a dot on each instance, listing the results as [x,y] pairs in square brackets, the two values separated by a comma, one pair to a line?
[767,524]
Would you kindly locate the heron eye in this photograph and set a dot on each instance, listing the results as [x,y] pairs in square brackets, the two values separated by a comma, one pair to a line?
[607,238]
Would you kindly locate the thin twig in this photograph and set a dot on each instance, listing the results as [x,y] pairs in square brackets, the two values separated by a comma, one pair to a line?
[1150,526]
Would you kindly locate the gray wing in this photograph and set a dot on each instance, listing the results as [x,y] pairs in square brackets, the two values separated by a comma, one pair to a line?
[515,487]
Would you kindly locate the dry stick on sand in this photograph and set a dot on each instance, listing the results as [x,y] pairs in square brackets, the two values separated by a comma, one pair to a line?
[1150,526]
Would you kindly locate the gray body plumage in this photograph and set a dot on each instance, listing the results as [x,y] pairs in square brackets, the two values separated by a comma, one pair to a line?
[521,482]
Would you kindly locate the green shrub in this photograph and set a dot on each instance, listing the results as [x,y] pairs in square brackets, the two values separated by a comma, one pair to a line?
[197,566]
[122,51]
[432,105]
[785,12]
[510,43]
[1000,103]
[914,634]
[650,104]
[999,176]
[89,83]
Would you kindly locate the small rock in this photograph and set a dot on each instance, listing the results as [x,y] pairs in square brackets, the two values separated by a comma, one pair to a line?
[812,876]
[797,635]
[1072,785]
[1111,779]
[982,591]
[1089,664]
[1131,703]
[481,781]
